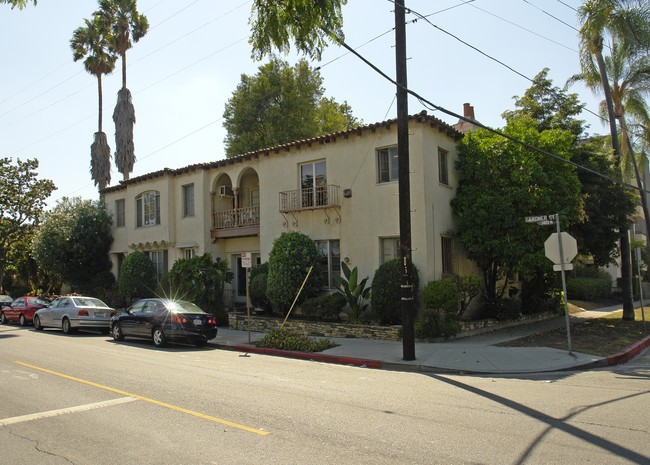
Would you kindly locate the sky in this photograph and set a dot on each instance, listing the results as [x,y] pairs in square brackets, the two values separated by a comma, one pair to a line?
[182,73]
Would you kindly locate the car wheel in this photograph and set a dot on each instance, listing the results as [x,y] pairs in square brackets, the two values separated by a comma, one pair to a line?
[22,320]
[118,335]
[3,318]
[37,323]
[66,327]
[158,336]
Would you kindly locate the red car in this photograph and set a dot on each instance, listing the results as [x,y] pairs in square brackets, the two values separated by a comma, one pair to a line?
[22,310]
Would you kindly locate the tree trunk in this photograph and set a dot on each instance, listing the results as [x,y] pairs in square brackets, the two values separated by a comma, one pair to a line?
[626,259]
[99,93]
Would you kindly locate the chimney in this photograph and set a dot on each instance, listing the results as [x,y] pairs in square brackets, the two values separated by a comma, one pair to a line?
[468,111]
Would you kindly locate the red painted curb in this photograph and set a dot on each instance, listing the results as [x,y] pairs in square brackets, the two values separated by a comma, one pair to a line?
[629,352]
[360,362]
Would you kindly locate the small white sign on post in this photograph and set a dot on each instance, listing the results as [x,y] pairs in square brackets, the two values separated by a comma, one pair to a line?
[246,260]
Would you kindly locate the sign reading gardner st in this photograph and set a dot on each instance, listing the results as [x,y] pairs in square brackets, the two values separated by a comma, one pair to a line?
[542,220]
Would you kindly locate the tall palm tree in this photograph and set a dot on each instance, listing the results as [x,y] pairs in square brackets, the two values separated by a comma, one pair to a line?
[629,82]
[629,21]
[127,25]
[91,43]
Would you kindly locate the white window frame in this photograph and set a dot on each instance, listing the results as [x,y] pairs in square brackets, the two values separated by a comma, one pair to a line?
[384,244]
[332,265]
[188,200]
[188,253]
[147,207]
[443,166]
[120,213]
[387,165]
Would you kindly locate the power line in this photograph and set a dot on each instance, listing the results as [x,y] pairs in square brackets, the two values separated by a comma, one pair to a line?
[549,14]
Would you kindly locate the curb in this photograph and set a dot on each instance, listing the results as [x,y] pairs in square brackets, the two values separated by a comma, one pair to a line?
[629,352]
[312,356]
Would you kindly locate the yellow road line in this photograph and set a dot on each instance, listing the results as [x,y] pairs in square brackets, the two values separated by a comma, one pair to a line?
[152,401]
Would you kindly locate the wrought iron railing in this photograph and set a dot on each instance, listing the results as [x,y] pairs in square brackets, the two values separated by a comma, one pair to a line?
[309,198]
[240,217]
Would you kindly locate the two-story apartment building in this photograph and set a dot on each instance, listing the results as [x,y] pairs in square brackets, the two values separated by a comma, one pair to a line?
[340,189]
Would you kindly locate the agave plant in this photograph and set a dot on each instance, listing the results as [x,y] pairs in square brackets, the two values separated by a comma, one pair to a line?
[356,293]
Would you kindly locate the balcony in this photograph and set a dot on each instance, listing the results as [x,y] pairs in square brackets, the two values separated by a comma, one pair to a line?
[238,222]
[310,199]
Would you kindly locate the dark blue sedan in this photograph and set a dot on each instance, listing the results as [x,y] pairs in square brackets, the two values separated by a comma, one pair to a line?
[164,320]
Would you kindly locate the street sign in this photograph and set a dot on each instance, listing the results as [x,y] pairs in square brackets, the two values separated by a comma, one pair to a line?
[542,220]
[246,260]
[569,248]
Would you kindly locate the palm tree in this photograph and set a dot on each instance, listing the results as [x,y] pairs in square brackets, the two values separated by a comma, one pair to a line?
[629,21]
[91,43]
[127,24]
[629,82]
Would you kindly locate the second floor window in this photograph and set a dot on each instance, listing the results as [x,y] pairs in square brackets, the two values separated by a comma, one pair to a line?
[147,207]
[387,164]
[443,170]
[188,200]
[119,213]
[313,184]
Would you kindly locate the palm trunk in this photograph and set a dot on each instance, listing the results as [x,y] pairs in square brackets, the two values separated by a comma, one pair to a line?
[644,201]
[99,92]
[626,259]
[124,70]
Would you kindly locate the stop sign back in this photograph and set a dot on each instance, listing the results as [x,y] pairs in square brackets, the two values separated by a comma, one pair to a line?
[569,247]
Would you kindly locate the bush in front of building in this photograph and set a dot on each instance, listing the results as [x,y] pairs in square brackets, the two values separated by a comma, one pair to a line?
[326,307]
[292,255]
[289,340]
[588,288]
[200,280]
[386,298]
[441,300]
[137,276]
[258,278]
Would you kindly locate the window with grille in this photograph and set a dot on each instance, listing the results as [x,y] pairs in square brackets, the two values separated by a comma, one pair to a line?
[147,208]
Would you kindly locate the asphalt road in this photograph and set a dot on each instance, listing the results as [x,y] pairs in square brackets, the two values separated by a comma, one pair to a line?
[85,399]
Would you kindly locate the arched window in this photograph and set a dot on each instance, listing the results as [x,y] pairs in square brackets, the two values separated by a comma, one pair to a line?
[147,207]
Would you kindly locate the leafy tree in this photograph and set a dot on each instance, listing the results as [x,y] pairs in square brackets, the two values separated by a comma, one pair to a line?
[386,295]
[22,200]
[605,204]
[200,280]
[137,276]
[629,21]
[91,44]
[292,255]
[126,25]
[500,183]
[308,23]
[280,104]
[18,3]
[73,241]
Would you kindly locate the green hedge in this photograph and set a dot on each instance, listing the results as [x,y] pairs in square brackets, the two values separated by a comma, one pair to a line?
[588,288]
[324,307]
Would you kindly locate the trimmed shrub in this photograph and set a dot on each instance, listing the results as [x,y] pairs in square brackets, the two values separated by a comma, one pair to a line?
[199,280]
[433,325]
[325,307]
[289,261]
[137,276]
[385,299]
[588,288]
[501,309]
[257,289]
[442,296]
[288,340]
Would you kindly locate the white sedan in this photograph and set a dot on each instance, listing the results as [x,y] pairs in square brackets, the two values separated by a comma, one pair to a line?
[75,312]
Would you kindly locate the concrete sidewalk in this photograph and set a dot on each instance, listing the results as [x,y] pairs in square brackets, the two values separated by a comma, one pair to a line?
[477,354]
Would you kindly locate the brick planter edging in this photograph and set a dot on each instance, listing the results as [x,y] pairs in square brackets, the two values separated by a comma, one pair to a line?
[239,321]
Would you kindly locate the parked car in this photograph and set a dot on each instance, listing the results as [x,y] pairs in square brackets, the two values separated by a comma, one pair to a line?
[163,320]
[22,310]
[75,312]
[5,301]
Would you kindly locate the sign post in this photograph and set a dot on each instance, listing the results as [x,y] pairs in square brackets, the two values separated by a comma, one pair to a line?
[560,248]
[247,263]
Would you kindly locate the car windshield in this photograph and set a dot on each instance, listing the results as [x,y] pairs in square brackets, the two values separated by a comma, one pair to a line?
[89,302]
[38,302]
[181,306]
[6,298]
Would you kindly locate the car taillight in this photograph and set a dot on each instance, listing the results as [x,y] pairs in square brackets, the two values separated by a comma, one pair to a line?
[212,320]
[179,319]
[83,313]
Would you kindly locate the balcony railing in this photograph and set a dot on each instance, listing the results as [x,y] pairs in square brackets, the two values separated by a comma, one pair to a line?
[310,198]
[238,218]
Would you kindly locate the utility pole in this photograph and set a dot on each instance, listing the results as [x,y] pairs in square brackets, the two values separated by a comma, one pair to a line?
[406,281]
